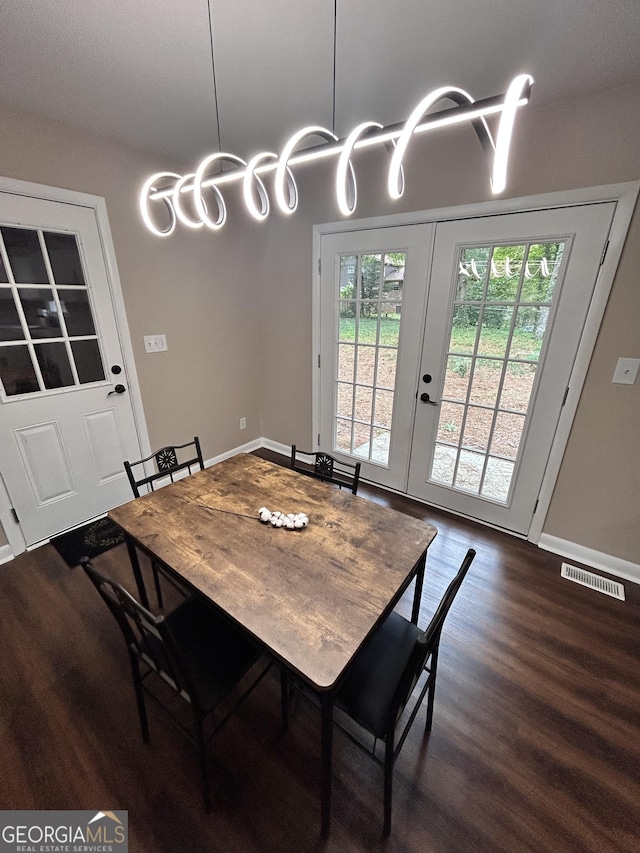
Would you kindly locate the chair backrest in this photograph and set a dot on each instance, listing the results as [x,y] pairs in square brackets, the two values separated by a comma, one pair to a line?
[428,641]
[328,468]
[168,461]
[147,636]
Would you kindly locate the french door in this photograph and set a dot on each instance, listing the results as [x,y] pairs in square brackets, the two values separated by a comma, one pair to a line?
[492,323]
[66,417]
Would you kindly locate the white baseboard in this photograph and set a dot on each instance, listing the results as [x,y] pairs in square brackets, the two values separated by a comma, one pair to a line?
[250,446]
[6,554]
[588,557]
[284,449]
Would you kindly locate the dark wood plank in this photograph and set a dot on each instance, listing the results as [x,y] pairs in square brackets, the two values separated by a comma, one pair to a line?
[535,743]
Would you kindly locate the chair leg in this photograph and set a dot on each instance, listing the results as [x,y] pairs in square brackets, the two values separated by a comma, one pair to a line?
[156,580]
[388,783]
[284,701]
[431,692]
[202,758]
[142,708]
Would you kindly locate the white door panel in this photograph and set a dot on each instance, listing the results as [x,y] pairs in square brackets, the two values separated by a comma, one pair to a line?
[63,433]
[373,288]
[508,300]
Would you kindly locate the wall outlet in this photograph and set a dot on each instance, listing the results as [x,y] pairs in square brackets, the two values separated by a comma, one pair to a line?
[155,343]
[626,371]
[243,423]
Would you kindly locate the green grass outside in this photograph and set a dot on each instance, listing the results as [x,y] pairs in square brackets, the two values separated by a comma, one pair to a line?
[524,344]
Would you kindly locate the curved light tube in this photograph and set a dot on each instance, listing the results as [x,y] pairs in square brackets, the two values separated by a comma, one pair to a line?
[544,268]
[177,204]
[474,270]
[344,163]
[201,207]
[250,176]
[288,205]
[144,205]
[394,185]
[505,131]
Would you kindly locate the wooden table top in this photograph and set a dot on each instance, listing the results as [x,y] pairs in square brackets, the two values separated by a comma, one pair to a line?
[311,596]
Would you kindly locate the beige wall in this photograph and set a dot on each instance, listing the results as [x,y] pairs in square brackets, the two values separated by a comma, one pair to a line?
[583,143]
[236,306]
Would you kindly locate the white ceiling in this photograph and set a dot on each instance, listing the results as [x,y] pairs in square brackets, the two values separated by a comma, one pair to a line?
[140,70]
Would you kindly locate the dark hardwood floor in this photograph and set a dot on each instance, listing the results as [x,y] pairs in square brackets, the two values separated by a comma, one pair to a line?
[535,743]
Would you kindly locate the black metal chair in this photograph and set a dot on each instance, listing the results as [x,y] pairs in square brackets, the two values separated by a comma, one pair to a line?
[327,468]
[193,649]
[384,675]
[167,462]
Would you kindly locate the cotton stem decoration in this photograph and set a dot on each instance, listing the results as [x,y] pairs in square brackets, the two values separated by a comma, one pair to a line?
[290,521]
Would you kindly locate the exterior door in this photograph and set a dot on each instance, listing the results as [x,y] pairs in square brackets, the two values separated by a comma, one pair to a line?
[508,300]
[372,295]
[66,418]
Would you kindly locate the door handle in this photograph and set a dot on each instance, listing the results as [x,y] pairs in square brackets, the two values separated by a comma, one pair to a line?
[119,389]
[424,397]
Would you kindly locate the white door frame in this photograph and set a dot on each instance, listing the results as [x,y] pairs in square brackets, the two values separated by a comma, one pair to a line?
[97,203]
[625,194]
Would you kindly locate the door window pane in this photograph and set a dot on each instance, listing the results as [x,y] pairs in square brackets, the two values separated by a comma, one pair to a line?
[64,258]
[485,384]
[54,365]
[347,326]
[41,312]
[370,275]
[495,343]
[10,326]
[77,312]
[364,404]
[504,280]
[3,273]
[477,428]
[384,408]
[456,382]
[86,355]
[16,371]
[366,365]
[346,358]
[25,255]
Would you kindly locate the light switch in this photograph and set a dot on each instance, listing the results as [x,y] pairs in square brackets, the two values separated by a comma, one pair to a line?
[626,371]
[155,343]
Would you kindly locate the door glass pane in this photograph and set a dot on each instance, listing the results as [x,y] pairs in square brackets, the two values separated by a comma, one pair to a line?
[10,326]
[3,273]
[77,312]
[86,355]
[16,371]
[485,384]
[456,383]
[500,314]
[369,300]
[477,428]
[25,255]
[370,275]
[54,365]
[41,312]
[504,278]
[64,258]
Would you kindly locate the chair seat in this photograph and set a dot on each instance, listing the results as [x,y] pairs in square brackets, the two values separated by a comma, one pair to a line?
[215,652]
[373,677]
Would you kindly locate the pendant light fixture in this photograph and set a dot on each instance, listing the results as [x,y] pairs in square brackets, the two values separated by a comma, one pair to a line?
[168,190]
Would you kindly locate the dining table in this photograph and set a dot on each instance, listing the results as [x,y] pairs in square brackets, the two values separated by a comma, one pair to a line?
[311,596]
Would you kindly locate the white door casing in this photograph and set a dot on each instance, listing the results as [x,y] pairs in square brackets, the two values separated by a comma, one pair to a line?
[61,449]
